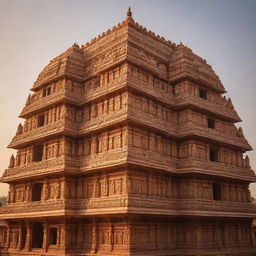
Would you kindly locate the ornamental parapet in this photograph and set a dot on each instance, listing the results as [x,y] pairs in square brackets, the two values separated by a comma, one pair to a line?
[220,109]
[63,94]
[33,209]
[99,86]
[161,91]
[56,128]
[191,128]
[103,121]
[49,166]
[104,159]
[151,159]
[194,165]
[145,118]
[195,207]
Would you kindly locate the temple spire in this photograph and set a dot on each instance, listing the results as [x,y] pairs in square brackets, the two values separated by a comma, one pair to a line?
[129,12]
[129,15]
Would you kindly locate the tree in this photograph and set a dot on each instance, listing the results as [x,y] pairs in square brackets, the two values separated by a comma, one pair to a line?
[3,200]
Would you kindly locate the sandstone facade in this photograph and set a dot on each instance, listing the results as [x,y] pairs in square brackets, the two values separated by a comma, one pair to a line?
[128,148]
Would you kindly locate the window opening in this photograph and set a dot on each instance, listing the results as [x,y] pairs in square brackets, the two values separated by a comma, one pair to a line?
[216,191]
[202,93]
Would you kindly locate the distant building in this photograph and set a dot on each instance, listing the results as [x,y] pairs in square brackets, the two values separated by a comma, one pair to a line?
[128,148]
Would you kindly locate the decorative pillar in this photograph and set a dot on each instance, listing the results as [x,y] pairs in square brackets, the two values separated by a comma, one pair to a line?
[20,237]
[8,238]
[45,237]
[94,244]
[94,145]
[62,189]
[28,237]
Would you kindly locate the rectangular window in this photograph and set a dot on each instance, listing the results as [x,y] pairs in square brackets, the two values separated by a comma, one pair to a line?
[216,191]
[213,154]
[202,93]
[53,236]
[211,123]
[40,121]
[38,153]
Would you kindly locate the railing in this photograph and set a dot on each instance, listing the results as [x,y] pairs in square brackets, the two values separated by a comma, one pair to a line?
[40,132]
[151,159]
[96,92]
[228,138]
[220,109]
[38,168]
[192,206]
[38,206]
[147,87]
[151,120]
[214,168]
[103,120]
[51,99]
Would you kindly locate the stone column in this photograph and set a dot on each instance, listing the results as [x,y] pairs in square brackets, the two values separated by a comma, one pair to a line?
[62,189]
[62,236]
[94,145]
[20,237]
[45,237]
[94,244]
[28,237]
[8,238]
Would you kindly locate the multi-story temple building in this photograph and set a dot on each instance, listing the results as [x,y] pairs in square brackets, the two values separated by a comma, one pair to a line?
[128,147]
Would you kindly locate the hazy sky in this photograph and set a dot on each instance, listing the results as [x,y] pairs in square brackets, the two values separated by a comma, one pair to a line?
[32,32]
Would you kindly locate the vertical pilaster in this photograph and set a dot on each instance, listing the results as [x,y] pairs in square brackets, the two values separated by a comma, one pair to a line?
[28,237]
[45,237]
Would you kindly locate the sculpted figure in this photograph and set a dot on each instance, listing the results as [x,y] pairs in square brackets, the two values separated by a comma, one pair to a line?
[19,129]
[12,162]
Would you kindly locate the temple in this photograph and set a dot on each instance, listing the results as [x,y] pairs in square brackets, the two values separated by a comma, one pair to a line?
[128,147]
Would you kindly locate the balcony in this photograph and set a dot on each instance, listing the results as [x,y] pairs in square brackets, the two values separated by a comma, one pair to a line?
[33,209]
[49,166]
[150,120]
[191,128]
[64,94]
[194,165]
[148,88]
[102,121]
[151,159]
[102,160]
[216,108]
[187,207]
[42,132]
[101,89]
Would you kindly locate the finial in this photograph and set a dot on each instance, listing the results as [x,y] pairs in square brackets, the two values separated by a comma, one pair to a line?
[129,12]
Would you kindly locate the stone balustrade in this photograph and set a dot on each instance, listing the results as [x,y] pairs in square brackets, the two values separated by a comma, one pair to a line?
[191,128]
[148,88]
[151,159]
[94,92]
[40,132]
[63,94]
[219,109]
[150,120]
[36,208]
[102,121]
[199,207]
[214,168]
[129,203]
[43,167]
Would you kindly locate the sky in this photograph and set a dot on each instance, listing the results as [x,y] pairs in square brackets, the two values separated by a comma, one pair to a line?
[32,32]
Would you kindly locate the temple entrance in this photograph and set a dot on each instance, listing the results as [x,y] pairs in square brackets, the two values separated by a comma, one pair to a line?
[37,192]
[37,235]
